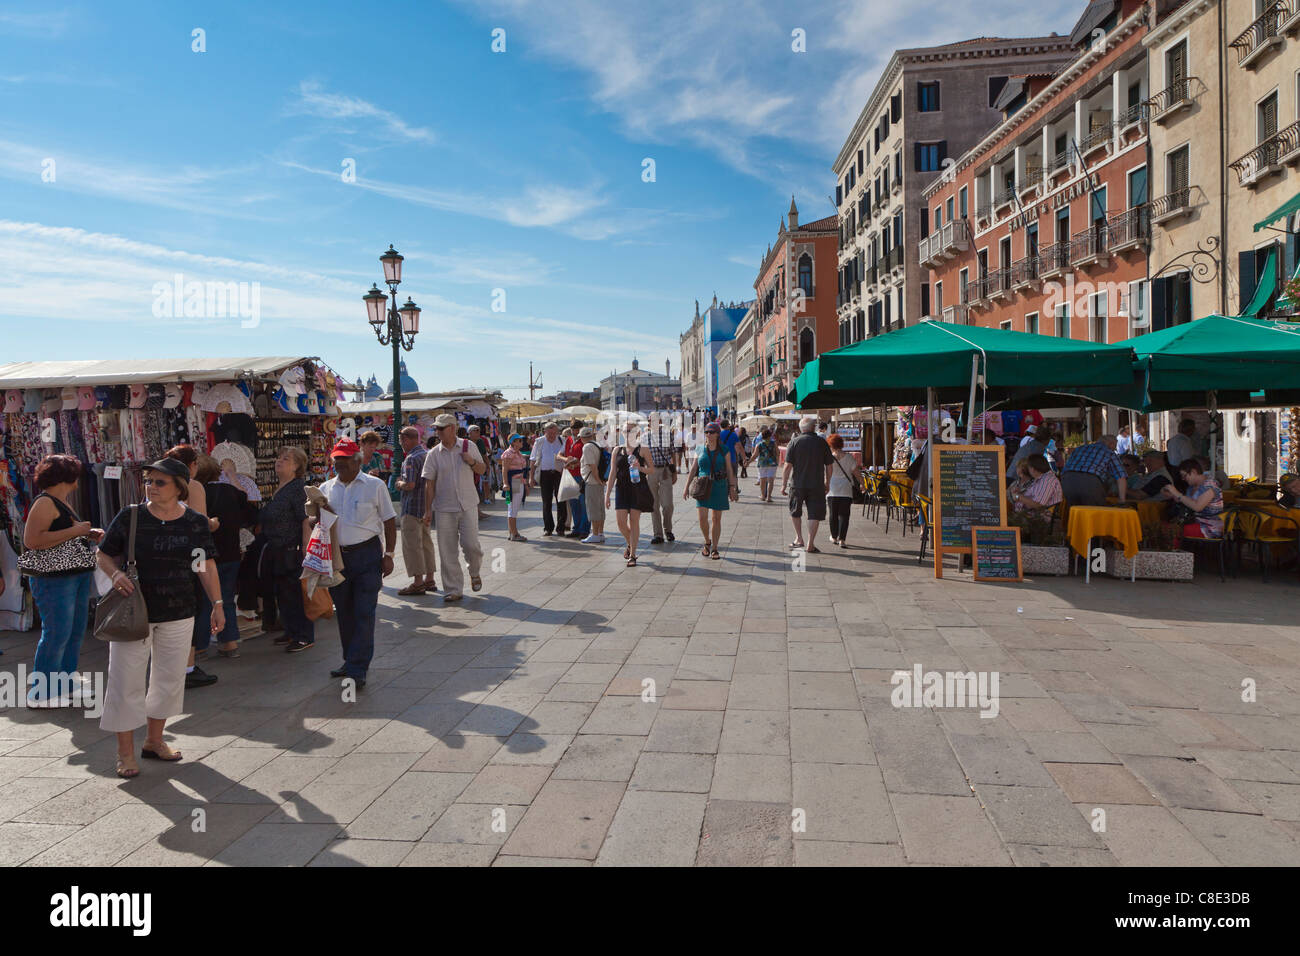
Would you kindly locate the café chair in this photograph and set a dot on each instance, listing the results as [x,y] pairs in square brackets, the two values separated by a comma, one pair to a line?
[926,509]
[1246,526]
[1219,544]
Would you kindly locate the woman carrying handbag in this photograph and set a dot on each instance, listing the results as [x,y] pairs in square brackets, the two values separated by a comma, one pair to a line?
[59,561]
[164,544]
[713,486]
[846,482]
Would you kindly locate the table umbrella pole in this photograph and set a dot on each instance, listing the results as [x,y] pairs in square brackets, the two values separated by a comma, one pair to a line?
[970,405]
[1214,431]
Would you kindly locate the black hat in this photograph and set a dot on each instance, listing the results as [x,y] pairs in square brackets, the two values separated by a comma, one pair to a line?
[173,467]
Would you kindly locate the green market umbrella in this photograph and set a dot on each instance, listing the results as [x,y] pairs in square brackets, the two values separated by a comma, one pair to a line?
[898,368]
[1243,361]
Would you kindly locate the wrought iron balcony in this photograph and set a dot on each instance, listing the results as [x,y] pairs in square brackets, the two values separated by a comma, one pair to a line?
[1176,96]
[1024,272]
[1263,34]
[1269,156]
[1090,247]
[1033,174]
[892,260]
[1060,161]
[1005,195]
[1053,259]
[1172,205]
[1135,115]
[1130,229]
[1098,136]
[984,209]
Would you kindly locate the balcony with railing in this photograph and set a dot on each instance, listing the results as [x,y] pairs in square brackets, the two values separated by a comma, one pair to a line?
[1135,115]
[891,261]
[1090,247]
[1131,229]
[1034,170]
[1282,148]
[1024,273]
[1264,34]
[1060,162]
[1005,195]
[1100,136]
[1176,203]
[1054,259]
[945,242]
[998,283]
[1178,95]
[1291,21]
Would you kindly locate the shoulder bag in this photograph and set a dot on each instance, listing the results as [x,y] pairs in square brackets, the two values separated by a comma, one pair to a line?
[859,493]
[124,617]
[69,556]
[702,485]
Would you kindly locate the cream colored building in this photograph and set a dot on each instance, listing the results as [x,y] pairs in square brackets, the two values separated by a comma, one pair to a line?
[1225,155]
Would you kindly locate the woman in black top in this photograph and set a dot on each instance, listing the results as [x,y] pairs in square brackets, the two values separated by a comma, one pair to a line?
[63,593]
[282,521]
[172,544]
[230,506]
[630,489]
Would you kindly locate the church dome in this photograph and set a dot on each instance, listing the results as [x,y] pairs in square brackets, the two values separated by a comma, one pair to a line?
[408,383]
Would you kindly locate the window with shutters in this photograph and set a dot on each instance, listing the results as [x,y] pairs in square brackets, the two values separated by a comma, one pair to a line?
[963,284]
[927,157]
[1267,116]
[963,195]
[1134,95]
[859,162]
[1063,224]
[896,108]
[1137,186]
[898,163]
[1005,325]
[1031,239]
[925,222]
[927,97]
[925,298]
[1139,321]
[938,218]
[806,274]
[1063,320]
[1031,323]
[1176,63]
[1004,253]
[1098,206]
[938,298]
[1177,169]
[948,205]
[1098,317]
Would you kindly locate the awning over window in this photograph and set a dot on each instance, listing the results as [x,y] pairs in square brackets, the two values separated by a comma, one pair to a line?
[1092,18]
[1013,88]
[1267,286]
[1287,209]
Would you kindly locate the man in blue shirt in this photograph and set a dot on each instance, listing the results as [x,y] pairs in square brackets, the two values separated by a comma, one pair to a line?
[1086,471]
[730,440]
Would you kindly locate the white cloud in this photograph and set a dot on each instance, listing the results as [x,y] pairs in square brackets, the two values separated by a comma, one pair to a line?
[313,100]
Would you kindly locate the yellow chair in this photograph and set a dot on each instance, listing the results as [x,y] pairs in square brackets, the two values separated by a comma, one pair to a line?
[900,505]
[926,509]
[1246,526]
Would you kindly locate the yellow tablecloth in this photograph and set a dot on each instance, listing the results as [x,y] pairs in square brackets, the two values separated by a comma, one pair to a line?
[1149,510]
[1279,524]
[1087,522]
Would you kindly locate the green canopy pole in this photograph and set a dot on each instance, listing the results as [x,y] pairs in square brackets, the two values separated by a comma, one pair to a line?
[1213,402]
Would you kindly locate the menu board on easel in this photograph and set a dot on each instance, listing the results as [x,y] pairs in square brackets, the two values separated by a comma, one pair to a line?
[996,554]
[969,487]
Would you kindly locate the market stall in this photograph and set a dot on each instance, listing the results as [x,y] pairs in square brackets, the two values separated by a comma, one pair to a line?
[115,416]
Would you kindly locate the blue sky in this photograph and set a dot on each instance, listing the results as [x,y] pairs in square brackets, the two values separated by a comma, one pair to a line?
[519,171]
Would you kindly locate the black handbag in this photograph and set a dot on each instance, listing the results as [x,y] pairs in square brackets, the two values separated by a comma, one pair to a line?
[124,617]
[859,492]
[702,485]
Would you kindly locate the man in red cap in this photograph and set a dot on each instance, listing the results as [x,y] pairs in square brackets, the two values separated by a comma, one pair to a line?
[365,516]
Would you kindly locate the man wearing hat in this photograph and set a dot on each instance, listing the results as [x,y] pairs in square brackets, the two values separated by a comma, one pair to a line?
[365,516]
[546,475]
[449,471]
[417,543]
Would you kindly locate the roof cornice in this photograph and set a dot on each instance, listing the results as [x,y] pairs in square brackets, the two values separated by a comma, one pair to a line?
[1176,20]
[1029,113]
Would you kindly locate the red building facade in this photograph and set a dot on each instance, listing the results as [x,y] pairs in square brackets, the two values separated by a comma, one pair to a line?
[1044,225]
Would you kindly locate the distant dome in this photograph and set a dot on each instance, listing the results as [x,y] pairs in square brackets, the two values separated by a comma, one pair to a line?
[373,390]
[408,383]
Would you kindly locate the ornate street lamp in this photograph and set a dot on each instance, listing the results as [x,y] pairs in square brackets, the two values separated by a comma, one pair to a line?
[395,327]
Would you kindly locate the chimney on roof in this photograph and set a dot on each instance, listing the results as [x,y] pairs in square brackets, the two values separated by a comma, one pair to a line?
[794,215]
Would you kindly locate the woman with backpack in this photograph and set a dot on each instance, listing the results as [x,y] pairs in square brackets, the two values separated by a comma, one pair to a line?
[712,464]
[630,489]
[595,472]
[765,458]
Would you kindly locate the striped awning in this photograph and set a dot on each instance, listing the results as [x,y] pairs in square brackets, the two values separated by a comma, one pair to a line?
[1288,208]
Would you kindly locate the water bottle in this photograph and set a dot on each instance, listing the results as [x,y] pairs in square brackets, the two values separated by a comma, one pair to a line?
[632,469]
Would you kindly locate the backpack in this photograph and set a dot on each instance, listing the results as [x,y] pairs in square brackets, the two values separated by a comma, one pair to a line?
[605,461]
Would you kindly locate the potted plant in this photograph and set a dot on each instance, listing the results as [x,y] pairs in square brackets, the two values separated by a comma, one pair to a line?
[1042,547]
[1160,556]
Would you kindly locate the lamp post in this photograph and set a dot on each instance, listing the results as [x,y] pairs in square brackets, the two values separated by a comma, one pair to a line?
[395,326]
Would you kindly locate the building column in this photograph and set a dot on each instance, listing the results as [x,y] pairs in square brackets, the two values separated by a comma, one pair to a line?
[1019,161]
[1048,153]
[1079,126]
[1118,83]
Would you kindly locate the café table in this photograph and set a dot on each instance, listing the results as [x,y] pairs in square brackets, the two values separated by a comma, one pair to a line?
[1150,510]
[1087,522]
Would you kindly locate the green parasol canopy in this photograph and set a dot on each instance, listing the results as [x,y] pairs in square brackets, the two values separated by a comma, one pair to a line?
[1244,361]
[896,368]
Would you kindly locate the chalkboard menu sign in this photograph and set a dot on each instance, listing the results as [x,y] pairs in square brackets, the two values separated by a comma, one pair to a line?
[996,554]
[969,486]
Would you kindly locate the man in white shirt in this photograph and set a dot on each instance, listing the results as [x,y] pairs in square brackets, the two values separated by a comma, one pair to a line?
[547,474]
[449,489]
[365,514]
[1182,446]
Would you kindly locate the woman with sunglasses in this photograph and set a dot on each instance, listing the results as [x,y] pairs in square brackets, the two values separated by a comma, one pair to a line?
[630,489]
[146,679]
[713,461]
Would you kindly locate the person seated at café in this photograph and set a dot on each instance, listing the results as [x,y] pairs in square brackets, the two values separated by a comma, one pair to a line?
[1218,474]
[1132,466]
[1044,489]
[1289,496]
[1023,477]
[1204,498]
[1157,475]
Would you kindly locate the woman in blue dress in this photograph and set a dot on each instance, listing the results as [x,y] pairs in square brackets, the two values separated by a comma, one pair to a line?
[712,460]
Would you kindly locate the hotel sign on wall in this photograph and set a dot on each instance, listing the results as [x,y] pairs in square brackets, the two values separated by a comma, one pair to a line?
[1085,186]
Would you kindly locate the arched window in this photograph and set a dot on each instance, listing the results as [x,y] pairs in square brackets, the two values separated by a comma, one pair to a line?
[806,353]
[806,274]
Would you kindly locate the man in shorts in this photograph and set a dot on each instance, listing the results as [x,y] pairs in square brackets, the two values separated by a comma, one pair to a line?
[809,458]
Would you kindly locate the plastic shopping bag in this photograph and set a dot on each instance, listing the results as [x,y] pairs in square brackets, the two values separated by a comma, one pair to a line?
[319,549]
[569,487]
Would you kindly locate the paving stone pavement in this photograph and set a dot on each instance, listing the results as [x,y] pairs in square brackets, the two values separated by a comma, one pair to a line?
[690,711]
